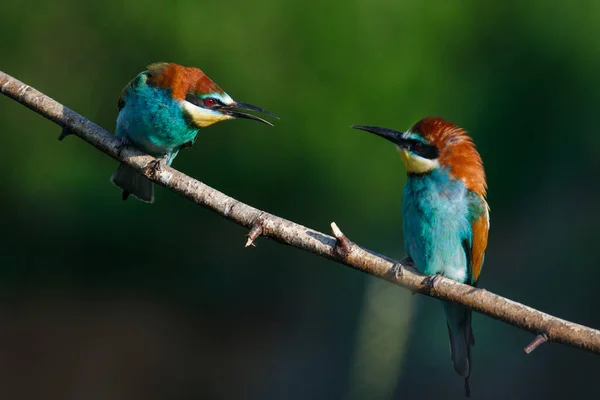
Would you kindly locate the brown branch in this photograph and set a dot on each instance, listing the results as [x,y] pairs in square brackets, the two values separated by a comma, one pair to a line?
[339,249]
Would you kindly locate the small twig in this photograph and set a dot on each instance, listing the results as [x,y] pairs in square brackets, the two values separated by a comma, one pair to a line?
[538,341]
[343,245]
[64,133]
[256,231]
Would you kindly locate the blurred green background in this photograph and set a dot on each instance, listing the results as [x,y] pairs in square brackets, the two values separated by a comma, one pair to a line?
[104,299]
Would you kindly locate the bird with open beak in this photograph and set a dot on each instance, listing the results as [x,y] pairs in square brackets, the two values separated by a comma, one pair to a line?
[161,111]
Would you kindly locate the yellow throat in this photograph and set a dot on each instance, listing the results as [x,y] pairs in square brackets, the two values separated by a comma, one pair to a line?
[415,164]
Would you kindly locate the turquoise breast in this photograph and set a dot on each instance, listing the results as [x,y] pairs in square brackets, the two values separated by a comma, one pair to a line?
[153,120]
[436,224]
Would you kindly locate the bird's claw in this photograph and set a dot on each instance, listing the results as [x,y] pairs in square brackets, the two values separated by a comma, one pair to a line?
[124,143]
[395,271]
[430,282]
[154,167]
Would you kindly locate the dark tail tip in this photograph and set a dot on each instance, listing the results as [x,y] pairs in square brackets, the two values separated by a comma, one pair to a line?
[133,184]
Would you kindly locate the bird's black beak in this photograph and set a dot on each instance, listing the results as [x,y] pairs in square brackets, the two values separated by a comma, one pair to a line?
[234,111]
[393,136]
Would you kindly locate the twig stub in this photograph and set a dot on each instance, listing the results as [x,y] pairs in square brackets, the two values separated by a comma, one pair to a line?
[256,231]
[343,245]
[64,133]
[535,343]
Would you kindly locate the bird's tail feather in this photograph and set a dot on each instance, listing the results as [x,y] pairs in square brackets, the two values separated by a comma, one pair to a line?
[460,331]
[134,183]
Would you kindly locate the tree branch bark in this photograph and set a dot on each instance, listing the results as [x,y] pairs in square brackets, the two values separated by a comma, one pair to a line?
[338,249]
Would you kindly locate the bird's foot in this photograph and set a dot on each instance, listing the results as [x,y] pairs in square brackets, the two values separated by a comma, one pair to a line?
[121,146]
[155,166]
[430,282]
[395,272]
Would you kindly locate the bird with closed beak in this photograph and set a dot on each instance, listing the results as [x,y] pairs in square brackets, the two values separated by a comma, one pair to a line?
[445,216]
[161,111]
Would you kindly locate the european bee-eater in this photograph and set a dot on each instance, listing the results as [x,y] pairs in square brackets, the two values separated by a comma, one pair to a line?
[445,217]
[161,111]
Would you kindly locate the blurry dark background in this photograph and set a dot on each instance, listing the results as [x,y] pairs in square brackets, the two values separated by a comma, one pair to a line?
[104,299]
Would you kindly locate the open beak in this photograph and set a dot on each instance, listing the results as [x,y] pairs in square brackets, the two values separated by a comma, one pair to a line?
[234,111]
[393,136]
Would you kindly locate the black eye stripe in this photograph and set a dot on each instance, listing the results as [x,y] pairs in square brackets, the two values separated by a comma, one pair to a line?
[197,101]
[422,150]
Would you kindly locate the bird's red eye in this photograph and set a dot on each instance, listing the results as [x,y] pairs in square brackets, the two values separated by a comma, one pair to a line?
[418,146]
[209,102]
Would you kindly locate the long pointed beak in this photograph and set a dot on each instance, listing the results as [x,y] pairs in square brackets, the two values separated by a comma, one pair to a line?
[234,108]
[393,136]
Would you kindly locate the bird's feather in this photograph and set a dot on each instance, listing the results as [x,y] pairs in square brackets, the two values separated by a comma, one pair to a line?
[460,332]
[133,84]
[458,318]
[446,222]
[457,151]
[480,228]
[134,183]
[181,80]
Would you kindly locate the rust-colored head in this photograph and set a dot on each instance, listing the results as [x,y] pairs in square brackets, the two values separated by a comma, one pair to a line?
[203,101]
[181,80]
[432,143]
[456,151]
